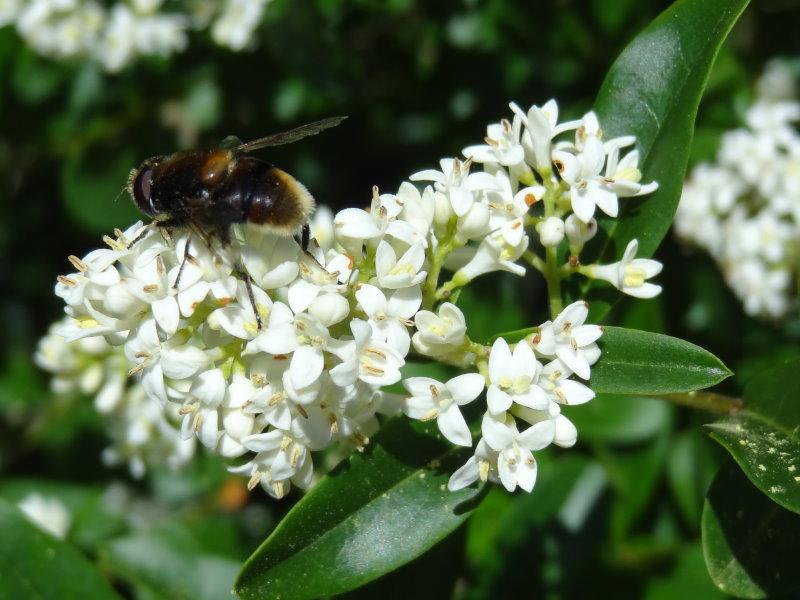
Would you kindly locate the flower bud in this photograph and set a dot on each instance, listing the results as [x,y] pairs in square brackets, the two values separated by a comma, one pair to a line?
[551,231]
[579,232]
[475,223]
[442,212]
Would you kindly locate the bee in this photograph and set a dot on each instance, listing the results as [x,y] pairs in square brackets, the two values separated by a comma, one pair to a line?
[210,190]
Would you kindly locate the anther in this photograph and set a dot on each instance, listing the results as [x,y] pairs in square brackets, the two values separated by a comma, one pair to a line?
[77,263]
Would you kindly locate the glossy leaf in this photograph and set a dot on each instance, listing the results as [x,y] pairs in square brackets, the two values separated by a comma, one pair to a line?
[91,520]
[640,362]
[691,467]
[749,542]
[94,192]
[375,512]
[633,474]
[764,438]
[171,563]
[619,419]
[653,91]
[34,564]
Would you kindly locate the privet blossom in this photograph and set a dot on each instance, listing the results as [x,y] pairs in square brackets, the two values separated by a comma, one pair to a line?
[743,208]
[313,353]
[114,34]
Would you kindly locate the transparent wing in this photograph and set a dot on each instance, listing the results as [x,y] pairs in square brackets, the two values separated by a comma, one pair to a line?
[230,142]
[287,137]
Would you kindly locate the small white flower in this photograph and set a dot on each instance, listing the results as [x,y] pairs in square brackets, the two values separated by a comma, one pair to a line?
[482,465]
[494,254]
[431,399]
[551,231]
[554,380]
[578,232]
[393,272]
[456,183]
[630,274]
[542,126]
[570,339]
[513,378]
[439,333]
[390,318]
[515,463]
[372,361]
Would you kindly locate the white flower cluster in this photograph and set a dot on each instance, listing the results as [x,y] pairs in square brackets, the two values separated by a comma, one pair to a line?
[142,432]
[115,35]
[271,353]
[743,209]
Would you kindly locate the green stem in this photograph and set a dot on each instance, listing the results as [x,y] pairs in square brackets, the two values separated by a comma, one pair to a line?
[708,401]
[552,273]
[534,260]
[552,276]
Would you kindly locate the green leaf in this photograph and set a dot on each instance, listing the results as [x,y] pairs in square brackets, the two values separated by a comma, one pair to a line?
[91,520]
[617,419]
[652,91]
[94,190]
[764,438]
[749,542]
[688,578]
[34,564]
[640,362]
[171,562]
[373,513]
[633,474]
[690,470]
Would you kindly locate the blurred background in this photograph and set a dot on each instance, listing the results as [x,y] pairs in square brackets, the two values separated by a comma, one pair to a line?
[420,80]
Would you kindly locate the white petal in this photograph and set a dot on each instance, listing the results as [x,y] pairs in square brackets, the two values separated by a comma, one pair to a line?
[534,398]
[586,334]
[575,314]
[183,362]
[279,339]
[507,475]
[497,400]
[371,299]
[306,366]
[465,475]
[526,473]
[209,387]
[209,433]
[301,294]
[405,302]
[582,204]
[565,434]
[537,436]
[575,392]
[646,290]
[465,388]
[605,199]
[453,426]
[263,442]
[356,223]
[499,360]
[496,433]
[575,360]
[417,407]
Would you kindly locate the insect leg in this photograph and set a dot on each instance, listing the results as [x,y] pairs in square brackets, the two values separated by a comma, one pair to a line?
[248,283]
[183,264]
[305,237]
[141,235]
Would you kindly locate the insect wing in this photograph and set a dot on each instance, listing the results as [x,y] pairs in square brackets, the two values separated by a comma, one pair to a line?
[287,137]
[230,142]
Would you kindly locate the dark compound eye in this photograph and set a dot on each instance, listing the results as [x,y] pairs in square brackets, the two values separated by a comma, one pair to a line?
[141,190]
